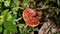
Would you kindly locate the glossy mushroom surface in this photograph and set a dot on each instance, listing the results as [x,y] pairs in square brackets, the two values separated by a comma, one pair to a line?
[30,17]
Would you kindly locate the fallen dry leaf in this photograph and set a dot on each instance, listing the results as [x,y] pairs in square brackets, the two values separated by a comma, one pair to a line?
[48,28]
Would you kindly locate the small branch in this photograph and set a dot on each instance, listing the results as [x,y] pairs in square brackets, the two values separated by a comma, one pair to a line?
[43,7]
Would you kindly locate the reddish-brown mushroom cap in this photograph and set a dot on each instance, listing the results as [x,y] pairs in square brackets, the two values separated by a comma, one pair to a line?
[30,17]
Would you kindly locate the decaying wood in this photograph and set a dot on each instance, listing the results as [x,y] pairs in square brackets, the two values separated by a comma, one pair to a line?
[48,28]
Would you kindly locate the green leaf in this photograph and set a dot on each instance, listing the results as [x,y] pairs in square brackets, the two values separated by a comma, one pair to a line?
[1,0]
[10,26]
[8,0]
[4,13]
[36,29]
[57,11]
[58,3]
[15,1]
[9,16]
[40,4]
[13,5]
[47,1]
[11,20]
[0,5]
[1,21]
[53,0]
[7,3]
[15,8]
[6,32]
[24,1]
[22,31]
[0,29]
[19,18]
[31,0]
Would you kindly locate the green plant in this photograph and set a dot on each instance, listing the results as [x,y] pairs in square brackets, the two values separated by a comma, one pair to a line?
[12,22]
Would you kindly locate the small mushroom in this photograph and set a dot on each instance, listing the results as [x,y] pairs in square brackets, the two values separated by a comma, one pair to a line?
[30,17]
